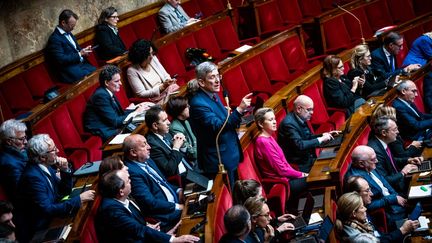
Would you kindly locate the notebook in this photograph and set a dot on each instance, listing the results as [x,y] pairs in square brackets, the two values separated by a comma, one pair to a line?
[322,235]
[414,215]
[88,168]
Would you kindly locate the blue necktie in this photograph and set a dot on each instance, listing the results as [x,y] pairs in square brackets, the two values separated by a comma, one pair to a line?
[180,16]
[160,180]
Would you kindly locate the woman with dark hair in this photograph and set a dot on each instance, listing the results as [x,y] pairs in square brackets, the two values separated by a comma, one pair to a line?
[361,61]
[269,155]
[111,163]
[178,109]
[339,91]
[147,77]
[261,230]
[107,36]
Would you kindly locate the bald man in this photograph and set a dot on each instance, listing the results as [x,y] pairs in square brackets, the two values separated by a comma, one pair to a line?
[363,163]
[295,137]
[413,123]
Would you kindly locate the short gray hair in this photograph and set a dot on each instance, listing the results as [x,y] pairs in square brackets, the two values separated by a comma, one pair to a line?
[403,85]
[380,124]
[203,68]
[37,146]
[9,128]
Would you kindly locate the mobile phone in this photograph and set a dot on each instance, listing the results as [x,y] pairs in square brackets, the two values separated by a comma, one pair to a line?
[175,75]
[94,47]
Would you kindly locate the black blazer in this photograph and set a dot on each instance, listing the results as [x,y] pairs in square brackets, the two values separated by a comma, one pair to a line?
[166,159]
[380,63]
[110,44]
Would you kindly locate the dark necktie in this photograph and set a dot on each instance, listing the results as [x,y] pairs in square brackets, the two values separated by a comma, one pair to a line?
[391,159]
[117,105]
[159,180]
[169,144]
[392,66]
[136,212]
[180,16]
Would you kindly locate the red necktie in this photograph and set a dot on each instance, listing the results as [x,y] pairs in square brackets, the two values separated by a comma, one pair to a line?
[391,158]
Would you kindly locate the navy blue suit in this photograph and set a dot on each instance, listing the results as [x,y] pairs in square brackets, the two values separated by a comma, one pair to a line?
[103,115]
[207,118]
[114,223]
[38,203]
[411,126]
[166,159]
[380,63]
[298,144]
[110,44]
[393,210]
[64,57]
[385,167]
[12,164]
[150,197]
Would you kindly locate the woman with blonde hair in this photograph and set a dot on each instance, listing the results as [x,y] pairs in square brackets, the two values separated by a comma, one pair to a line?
[375,83]
[352,217]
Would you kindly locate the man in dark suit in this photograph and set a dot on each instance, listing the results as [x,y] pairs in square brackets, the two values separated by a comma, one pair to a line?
[165,148]
[384,58]
[172,17]
[107,36]
[386,131]
[360,185]
[40,189]
[120,220]
[208,116]
[295,137]
[13,155]
[64,53]
[154,195]
[104,116]
[414,124]
[363,163]
[237,223]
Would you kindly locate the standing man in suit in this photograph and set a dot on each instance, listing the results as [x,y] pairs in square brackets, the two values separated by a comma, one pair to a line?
[384,58]
[103,116]
[64,53]
[107,35]
[386,132]
[155,196]
[121,220]
[208,116]
[172,17]
[363,163]
[165,148]
[13,155]
[295,137]
[413,123]
[41,189]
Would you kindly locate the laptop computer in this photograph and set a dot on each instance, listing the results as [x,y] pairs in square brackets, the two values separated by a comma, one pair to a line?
[414,215]
[337,141]
[425,166]
[88,168]
[303,220]
[199,183]
[322,235]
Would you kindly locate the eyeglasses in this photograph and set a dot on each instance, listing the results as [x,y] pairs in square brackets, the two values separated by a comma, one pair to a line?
[54,150]
[307,109]
[340,67]
[265,215]
[22,139]
[215,76]
[114,17]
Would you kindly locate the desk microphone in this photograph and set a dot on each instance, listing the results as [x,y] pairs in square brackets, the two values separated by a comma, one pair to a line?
[221,166]
[358,20]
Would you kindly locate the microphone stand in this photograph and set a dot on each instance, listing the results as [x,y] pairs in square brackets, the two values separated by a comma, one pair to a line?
[221,166]
[361,28]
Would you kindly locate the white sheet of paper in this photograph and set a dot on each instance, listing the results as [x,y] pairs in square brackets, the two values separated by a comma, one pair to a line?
[119,138]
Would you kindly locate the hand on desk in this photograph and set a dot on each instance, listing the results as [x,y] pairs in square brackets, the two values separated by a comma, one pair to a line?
[87,196]
[416,160]
[409,226]
[186,238]
[417,144]
[286,217]
[285,227]
[327,136]
[407,168]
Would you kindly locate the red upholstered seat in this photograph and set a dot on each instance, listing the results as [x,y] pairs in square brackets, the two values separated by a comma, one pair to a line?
[295,56]
[226,35]
[422,7]
[206,39]
[6,112]
[310,8]
[335,35]
[171,59]
[88,234]
[183,44]
[379,219]
[275,65]
[210,7]
[401,10]
[146,28]
[291,11]
[191,7]
[127,34]
[411,34]
[378,15]
[353,26]
[17,95]
[256,77]
[38,80]
[223,203]
[235,83]
[269,17]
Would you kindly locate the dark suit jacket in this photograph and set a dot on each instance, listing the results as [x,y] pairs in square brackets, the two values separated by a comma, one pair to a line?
[298,147]
[207,117]
[398,149]
[114,223]
[385,168]
[165,158]
[374,84]
[12,164]
[380,63]
[410,125]
[110,44]
[338,94]
[102,116]
[38,203]
[149,196]
[62,55]
[393,210]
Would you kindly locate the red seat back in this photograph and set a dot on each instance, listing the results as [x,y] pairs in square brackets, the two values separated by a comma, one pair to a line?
[38,80]
[171,59]
[205,38]
[335,35]
[45,126]
[210,7]
[353,25]
[294,54]
[378,15]
[291,11]
[401,10]
[269,17]
[127,34]
[236,85]
[223,203]
[183,44]
[255,75]
[89,231]
[225,34]
[310,8]
[275,65]
[17,95]
[146,28]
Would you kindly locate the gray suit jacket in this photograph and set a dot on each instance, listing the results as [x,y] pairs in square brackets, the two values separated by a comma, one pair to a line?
[169,20]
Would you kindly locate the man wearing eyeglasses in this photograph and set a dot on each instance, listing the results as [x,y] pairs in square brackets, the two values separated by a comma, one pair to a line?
[44,182]
[363,163]
[172,16]
[384,58]
[394,169]
[13,155]
[296,138]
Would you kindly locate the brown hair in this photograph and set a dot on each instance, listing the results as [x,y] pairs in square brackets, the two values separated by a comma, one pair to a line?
[330,64]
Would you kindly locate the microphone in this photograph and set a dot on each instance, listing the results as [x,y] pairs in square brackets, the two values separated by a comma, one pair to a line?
[358,20]
[226,98]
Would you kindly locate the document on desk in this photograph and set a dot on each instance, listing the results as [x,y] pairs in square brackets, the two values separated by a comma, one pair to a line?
[420,191]
[119,138]
[243,48]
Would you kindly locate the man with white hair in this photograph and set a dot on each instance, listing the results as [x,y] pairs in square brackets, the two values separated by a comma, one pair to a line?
[172,16]
[13,155]
[295,137]
[41,189]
